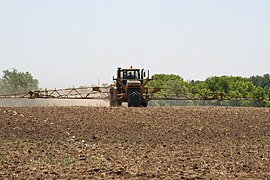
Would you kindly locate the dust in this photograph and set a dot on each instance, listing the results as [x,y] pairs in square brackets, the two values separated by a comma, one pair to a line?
[52,102]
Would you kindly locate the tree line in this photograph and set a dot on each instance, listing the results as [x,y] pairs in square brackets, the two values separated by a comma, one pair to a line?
[14,81]
[217,90]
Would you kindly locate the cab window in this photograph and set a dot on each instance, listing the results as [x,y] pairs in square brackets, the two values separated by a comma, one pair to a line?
[132,74]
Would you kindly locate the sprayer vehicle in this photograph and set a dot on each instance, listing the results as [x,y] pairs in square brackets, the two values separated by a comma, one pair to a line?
[129,86]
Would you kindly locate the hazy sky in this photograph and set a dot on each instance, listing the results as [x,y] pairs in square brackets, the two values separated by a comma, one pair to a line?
[76,42]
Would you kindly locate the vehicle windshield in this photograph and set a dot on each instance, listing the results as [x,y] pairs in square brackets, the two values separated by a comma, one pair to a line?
[130,74]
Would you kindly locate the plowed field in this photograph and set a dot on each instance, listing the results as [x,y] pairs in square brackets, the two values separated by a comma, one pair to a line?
[134,143]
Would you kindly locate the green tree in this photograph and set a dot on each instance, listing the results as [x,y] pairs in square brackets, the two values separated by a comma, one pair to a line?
[174,85]
[228,87]
[17,82]
[221,90]
[262,81]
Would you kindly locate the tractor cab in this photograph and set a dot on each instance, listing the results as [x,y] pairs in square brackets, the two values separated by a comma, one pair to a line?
[131,73]
[126,74]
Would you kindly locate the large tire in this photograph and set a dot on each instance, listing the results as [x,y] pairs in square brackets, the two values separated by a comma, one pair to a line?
[119,103]
[134,98]
[113,98]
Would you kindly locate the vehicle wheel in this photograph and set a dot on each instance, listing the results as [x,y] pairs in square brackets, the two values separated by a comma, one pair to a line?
[119,103]
[134,98]
[113,98]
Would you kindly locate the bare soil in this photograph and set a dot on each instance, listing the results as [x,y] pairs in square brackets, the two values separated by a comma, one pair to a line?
[134,143]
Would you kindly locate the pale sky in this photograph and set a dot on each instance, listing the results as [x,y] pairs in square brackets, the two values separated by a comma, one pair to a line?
[66,43]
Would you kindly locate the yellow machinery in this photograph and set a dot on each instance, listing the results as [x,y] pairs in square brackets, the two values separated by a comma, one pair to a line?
[130,87]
